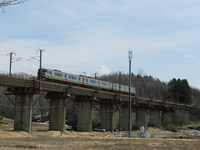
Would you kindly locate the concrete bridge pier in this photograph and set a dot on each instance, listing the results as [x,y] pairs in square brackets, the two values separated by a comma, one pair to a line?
[155,118]
[23,109]
[107,115]
[123,117]
[141,117]
[168,117]
[181,116]
[57,112]
[175,116]
[84,114]
[187,116]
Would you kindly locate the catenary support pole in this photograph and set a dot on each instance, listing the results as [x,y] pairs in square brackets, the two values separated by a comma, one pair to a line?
[129,110]
[10,68]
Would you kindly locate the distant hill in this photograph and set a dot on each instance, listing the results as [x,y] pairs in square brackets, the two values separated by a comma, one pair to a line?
[176,90]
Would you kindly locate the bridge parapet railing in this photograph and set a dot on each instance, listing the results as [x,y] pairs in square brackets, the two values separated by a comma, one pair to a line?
[18,75]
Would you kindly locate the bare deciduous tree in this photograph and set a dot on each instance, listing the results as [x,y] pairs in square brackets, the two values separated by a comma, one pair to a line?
[4,3]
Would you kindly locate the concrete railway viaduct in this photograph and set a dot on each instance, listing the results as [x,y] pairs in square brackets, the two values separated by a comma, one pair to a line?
[144,110]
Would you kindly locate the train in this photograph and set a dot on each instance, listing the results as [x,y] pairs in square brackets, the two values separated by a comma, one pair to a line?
[82,81]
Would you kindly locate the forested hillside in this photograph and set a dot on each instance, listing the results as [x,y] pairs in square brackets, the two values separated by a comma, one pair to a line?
[176,90]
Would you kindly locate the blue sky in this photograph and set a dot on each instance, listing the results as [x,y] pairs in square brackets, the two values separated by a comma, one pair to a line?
[95,36]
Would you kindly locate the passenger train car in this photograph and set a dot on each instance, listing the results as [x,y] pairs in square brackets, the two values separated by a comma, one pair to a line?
[83,81]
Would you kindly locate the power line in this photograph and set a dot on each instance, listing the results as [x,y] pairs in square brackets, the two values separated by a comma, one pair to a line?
[71,64]
[3,55]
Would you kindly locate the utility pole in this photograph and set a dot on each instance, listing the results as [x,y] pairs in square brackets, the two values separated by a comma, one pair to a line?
[40,72]
[120,73]
[10,68]
[129,110]
[119,99]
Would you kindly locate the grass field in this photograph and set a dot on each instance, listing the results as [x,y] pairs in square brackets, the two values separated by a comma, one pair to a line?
[41,139]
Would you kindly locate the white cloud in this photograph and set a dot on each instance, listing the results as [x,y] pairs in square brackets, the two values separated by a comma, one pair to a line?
[104,70]
[190,56]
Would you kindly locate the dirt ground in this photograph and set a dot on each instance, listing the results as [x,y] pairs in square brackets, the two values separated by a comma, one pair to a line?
[41,139]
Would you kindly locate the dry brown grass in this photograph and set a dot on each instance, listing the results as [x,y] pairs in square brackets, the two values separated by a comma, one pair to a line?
[54,140]
[86,141]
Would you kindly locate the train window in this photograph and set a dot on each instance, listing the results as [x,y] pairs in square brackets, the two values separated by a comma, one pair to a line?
[79,79]
[104,83]
[93,81]
[60,75]
[72,77]
[86,80]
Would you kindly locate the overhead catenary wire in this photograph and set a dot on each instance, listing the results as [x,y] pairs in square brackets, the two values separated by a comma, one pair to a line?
[65,63]
[20,60]
[71,65]
[3,55]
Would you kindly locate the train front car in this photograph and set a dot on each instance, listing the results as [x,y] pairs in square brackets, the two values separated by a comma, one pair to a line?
[41,74]
[50,75]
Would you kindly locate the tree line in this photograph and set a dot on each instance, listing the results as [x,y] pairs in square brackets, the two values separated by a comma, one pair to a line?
[176,90]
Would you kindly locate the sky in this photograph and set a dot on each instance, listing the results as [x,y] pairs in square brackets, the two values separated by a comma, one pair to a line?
[94,36]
